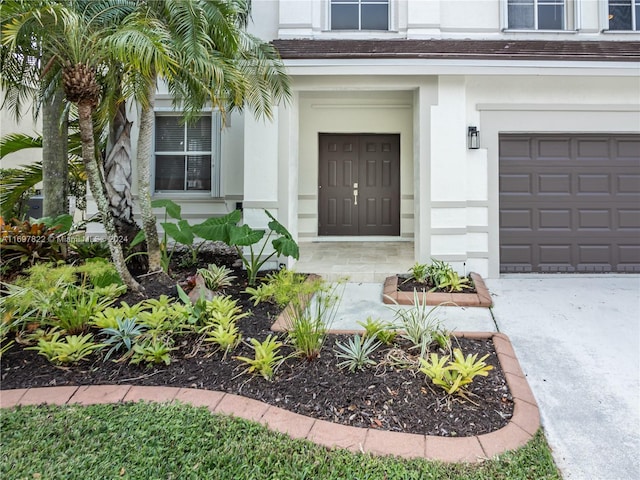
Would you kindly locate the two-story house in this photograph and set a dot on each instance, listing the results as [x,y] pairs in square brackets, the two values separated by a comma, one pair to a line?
[502,134]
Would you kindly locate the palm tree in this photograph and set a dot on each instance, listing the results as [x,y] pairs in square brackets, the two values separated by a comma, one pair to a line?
[29,75]
[23,69]
[82,53]
[217,63]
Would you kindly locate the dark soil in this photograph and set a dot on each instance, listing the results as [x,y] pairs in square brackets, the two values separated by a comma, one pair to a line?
[406,283]
[382,397]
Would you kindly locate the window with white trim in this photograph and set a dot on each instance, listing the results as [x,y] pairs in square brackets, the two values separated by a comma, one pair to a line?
[186,158]
[359,14]
[536,14]
[624,14]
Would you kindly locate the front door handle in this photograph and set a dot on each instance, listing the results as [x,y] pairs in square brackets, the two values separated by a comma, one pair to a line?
[355,196]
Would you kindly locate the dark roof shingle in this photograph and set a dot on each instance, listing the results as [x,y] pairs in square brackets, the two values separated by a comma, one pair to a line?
[460,49]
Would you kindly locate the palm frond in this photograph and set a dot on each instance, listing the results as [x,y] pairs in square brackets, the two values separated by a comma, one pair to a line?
[15,142]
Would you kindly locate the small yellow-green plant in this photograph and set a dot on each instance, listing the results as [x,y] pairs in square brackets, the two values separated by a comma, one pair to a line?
[281,288]
[454,283]
[453,376]
[152,351]
[68,349]
[266,358]
[383,331]
[419,272]
[216,277]
[225,335]
[108,318]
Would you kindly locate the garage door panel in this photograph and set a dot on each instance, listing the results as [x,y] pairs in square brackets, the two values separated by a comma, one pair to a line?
[556,254]
[594,255]
[516,184]
[628,184]
[594,184]
[557,219]
[518,257]
[627,148]
[572,206]
[556,184]
[593,149]
[518,148]
[629,256]
[629,219]
[591,219]
[518,219]
[552,149]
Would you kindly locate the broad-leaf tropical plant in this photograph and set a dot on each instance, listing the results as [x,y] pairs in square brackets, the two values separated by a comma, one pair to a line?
[225,229]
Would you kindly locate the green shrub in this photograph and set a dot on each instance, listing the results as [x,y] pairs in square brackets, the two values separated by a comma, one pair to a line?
[281,287]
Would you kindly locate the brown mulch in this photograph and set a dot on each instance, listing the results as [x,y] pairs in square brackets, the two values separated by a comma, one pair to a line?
[406,283]
[382,397]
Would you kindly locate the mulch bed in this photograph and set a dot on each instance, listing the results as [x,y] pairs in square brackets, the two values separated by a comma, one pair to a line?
[381,397]
[406,283]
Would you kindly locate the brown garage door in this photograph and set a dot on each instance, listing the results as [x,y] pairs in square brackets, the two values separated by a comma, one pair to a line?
[570,203]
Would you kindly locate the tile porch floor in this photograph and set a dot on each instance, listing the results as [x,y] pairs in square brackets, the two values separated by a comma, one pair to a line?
[360,261]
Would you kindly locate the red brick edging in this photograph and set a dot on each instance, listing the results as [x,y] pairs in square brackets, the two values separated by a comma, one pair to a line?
[520,429]
[482,298]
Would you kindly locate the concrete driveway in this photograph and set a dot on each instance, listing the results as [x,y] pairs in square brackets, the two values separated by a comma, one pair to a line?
[578,342]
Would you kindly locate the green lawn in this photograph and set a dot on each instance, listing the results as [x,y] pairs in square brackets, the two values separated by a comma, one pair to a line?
[151,441]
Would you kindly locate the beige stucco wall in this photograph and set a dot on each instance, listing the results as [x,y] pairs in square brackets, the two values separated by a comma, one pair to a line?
[26,125]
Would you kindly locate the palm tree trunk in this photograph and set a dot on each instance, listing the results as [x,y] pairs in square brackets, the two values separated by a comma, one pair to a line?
[92,167]
[117,174]
[55,160]
[117,168]
[145,137]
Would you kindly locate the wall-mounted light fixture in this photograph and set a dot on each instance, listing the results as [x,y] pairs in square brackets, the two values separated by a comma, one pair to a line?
[473,138]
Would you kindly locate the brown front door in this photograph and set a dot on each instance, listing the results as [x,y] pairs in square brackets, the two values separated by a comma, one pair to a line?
[359,185]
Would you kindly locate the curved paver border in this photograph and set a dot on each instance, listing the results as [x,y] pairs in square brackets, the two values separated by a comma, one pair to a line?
[520,429]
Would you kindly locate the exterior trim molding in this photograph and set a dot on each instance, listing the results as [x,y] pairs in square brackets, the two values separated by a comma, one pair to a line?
[537,107]
[266,204]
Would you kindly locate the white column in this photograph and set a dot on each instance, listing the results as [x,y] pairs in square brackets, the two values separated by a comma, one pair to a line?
[423,99]
[260,169]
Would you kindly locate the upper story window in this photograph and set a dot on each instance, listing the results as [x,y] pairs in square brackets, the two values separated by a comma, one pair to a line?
[185,154]
[536,14]
[624,14]
[359,14]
